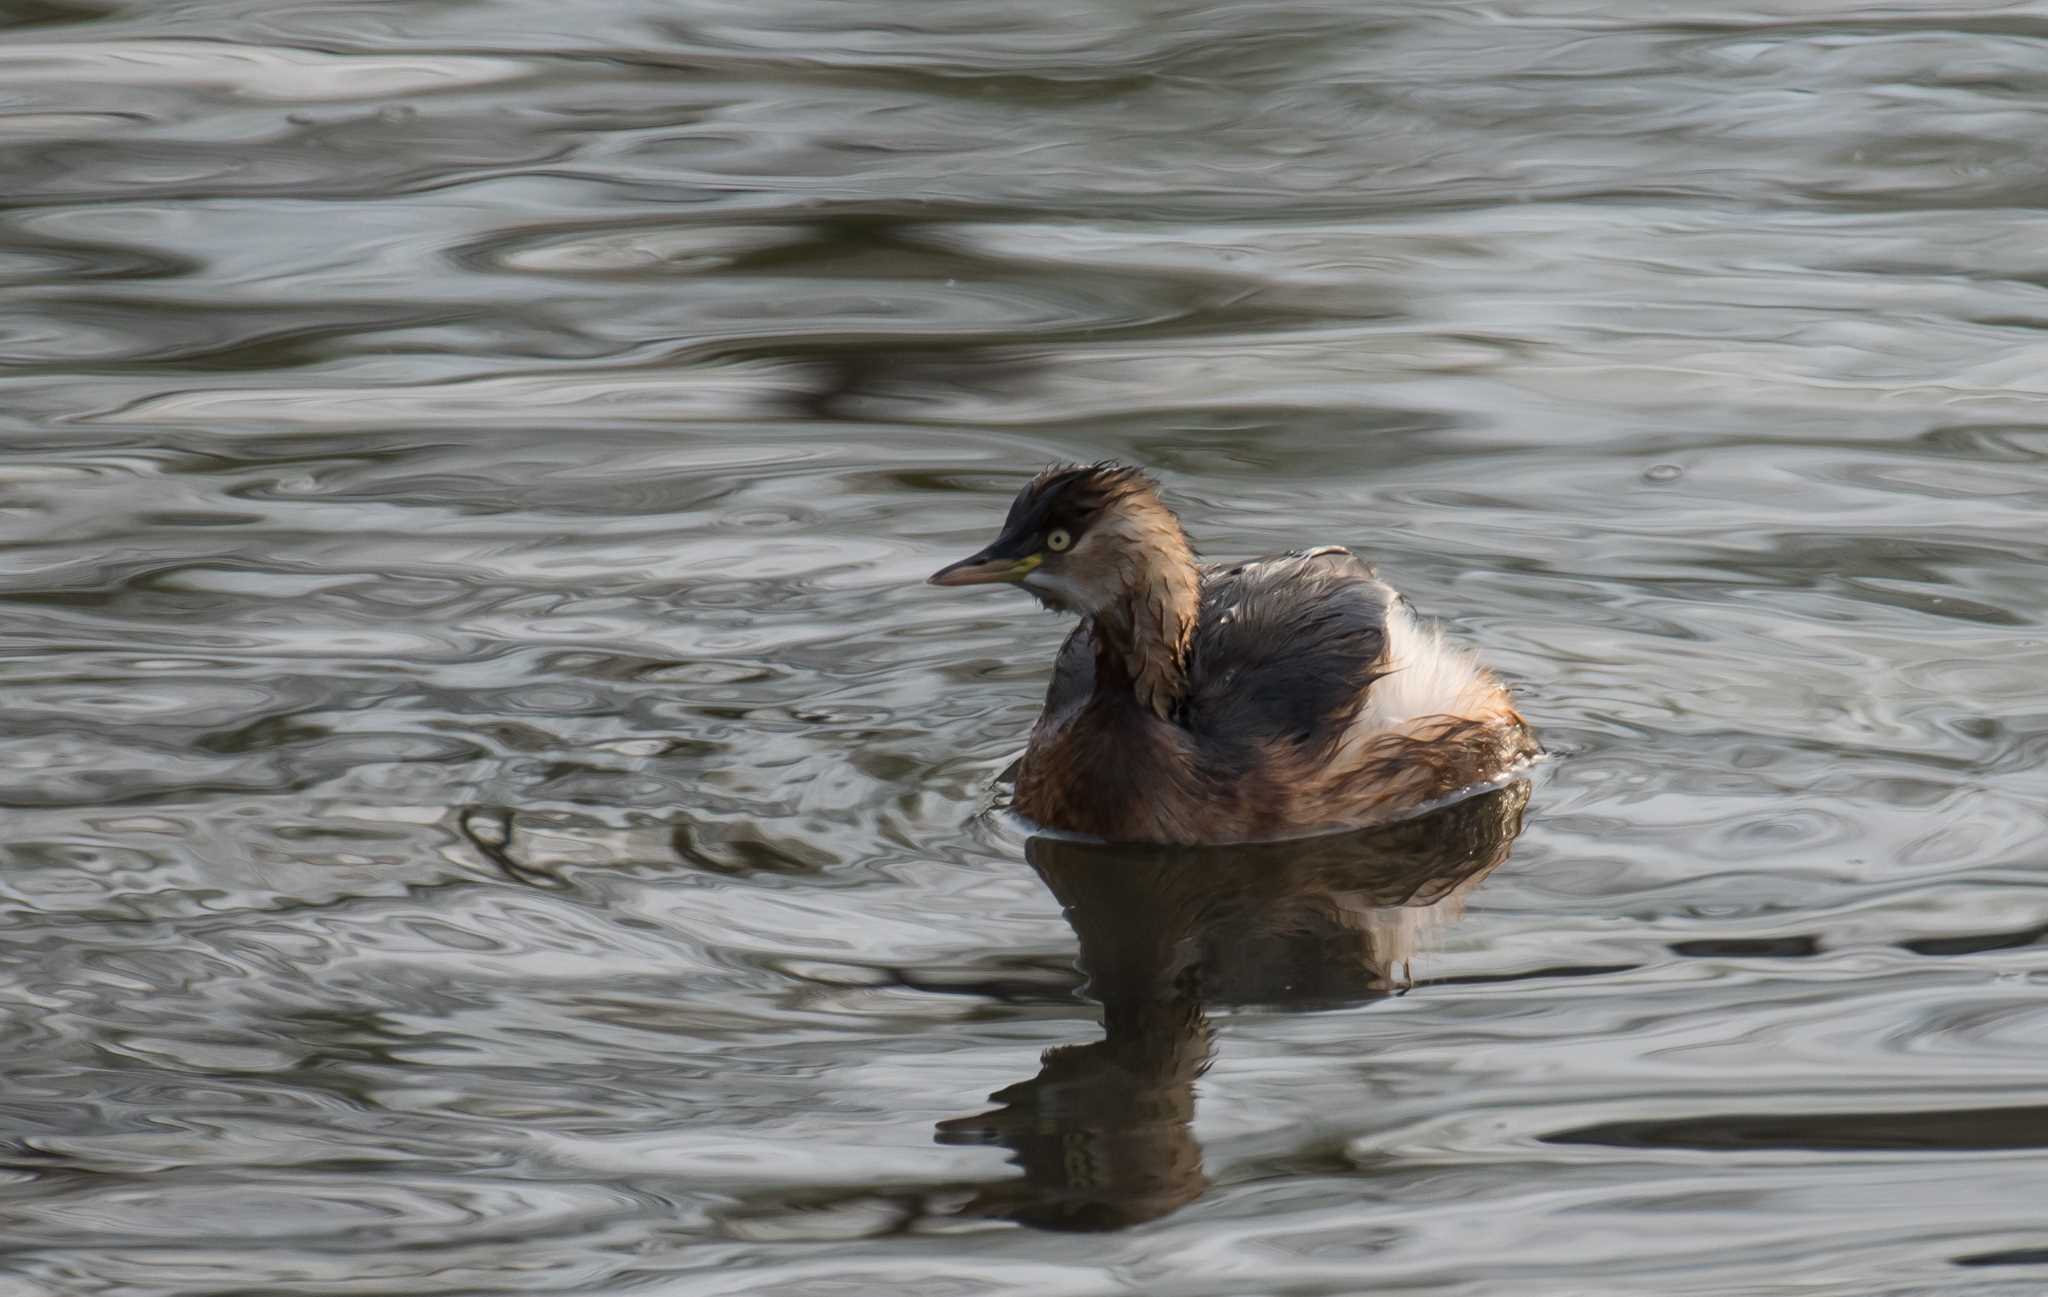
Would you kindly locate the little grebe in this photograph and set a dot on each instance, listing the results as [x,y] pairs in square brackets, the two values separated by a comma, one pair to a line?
[1203,703]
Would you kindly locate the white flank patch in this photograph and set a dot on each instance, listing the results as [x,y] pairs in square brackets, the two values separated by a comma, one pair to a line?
[1425,677]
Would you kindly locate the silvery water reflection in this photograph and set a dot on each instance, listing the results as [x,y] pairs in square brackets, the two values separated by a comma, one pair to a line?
[490,808]
[1103,1132]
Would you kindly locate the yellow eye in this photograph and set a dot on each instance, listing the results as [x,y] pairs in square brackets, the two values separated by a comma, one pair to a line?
[1057,539]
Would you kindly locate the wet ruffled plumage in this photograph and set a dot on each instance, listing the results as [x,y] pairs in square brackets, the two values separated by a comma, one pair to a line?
[1236,702]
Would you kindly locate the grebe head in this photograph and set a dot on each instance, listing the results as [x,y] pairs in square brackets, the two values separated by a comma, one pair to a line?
[1082,538]
[1097,540]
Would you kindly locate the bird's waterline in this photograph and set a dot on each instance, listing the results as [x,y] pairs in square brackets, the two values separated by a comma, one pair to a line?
[493,806]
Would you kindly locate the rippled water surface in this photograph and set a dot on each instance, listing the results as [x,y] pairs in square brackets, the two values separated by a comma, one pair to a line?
[490,807]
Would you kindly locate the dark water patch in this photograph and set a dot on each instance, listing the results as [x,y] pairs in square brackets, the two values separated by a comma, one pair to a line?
[493,808]
[2016,1256]
[1977,943]
[1798,947]
[32,14]
[1960,1130]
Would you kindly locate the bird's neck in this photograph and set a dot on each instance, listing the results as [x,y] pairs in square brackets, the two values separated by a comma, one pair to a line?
[1142,638]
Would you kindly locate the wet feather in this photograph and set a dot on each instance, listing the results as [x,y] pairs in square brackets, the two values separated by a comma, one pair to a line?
[1239,702]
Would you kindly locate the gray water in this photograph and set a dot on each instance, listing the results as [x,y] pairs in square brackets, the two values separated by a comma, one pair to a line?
[491,808]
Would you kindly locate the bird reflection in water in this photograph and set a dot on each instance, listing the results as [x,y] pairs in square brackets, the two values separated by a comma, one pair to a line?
[1104,1132]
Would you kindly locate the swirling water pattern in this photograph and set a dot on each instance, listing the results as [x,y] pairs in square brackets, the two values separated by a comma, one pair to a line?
[491,808]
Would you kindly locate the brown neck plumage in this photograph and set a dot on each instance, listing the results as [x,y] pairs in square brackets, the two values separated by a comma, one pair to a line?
[1143,637]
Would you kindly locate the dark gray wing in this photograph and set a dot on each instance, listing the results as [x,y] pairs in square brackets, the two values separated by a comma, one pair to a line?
[1285,648]
[1073,674]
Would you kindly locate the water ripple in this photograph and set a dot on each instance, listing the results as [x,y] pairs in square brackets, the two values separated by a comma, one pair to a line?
[492,806]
